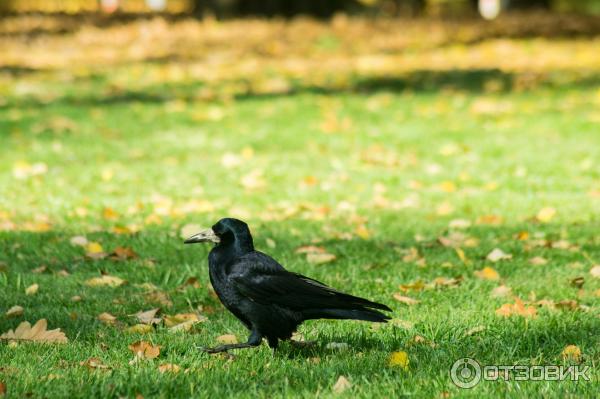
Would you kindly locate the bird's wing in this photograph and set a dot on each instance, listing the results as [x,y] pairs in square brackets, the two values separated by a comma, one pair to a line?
[257,279]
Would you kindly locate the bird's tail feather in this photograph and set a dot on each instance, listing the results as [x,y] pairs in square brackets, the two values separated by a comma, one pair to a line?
[353,314]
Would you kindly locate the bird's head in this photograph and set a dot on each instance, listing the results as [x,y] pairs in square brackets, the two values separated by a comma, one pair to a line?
[225,231]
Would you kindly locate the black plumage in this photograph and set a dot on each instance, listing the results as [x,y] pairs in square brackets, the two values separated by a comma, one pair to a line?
[269,300]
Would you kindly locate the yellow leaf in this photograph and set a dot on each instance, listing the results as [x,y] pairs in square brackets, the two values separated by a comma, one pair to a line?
[109,214]
[416,286]
[341,385]
[15,311]
[546,214]
[362,232]
[171,321]
[32,289]
[38,332]
[399,359]
[143,349]
[93,248]
[140,329]
[227,339]
[169,368]
[595,271]
[487,273]
[106,280]
[405,299]
[518,309]
[571,352]
[538,261]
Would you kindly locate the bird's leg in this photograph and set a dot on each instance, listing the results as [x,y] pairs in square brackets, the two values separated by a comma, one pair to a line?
[253,341]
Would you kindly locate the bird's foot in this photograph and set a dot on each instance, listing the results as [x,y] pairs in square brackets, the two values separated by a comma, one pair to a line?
[214,350]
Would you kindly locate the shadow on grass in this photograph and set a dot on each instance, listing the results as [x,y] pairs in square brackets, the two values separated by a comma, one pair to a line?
[420,81]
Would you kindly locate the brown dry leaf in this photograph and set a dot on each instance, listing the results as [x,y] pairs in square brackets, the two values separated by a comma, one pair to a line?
[227,339]
[94,363]
[310,249]
[578,282]
[107,318]
[36,333]
[140,329]
[545,214]
[159,297]
[147,317]
[40,269]
[145,350]
[538,261]
[123,253]
[32,289]
[15,311]
[341,384]
[2,388]
[441,282]
[320,258]
[501,291]
[106,280]
[595,271]
[405,299]
[487,273]
[567,304]
[516,309]
[571,353]
[497,254]
[169,368]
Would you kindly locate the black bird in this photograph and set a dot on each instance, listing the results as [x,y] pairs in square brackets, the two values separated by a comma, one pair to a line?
[269,300]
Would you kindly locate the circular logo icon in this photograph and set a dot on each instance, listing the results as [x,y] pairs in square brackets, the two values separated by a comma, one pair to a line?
[465,373]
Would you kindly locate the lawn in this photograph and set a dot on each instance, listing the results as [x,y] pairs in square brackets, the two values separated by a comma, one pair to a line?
[410,152]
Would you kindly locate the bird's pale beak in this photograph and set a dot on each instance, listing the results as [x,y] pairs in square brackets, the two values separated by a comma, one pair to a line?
[207,235]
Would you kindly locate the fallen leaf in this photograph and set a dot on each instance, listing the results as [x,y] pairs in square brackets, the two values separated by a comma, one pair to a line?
[109,214]
[578,282]
[518,309]
[310,249]
[40,269]
[32,289]
[405,299]
[571,353]
[145,350]
[501,291]
[106,280]
[595,271]
[497,254]
[475,330]
[94,363]
[416,286]
[545,214]
[140,329]
[171,321]
[2,388]
[107,318]
[169,368]
[123,253]
[320,258]
[147,317]
[399,359]
[80,241]
[36,333]
[93,247]
[487,273]
[227,339]
[538,261]
[159,297]
[15,311]
[341,385]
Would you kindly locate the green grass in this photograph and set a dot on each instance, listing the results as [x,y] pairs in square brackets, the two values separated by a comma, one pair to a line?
[541,149]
